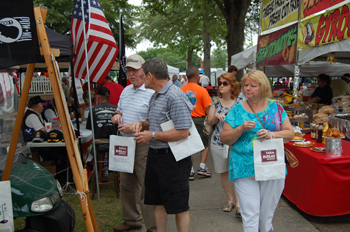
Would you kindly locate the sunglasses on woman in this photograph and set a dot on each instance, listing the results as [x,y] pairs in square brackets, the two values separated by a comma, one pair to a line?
[225,83]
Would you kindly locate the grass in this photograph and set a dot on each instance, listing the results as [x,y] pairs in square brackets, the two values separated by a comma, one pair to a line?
[108,210]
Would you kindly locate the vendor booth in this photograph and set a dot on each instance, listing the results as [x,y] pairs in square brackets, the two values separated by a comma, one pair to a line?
[306,44]
[320,185]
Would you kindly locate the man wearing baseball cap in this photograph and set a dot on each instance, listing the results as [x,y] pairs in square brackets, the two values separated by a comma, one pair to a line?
[133,106]
[102,114]
[32,117]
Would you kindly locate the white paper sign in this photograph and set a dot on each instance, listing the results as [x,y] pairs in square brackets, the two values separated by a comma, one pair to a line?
[225,151]
[79,89]
[6,213]
[185,147]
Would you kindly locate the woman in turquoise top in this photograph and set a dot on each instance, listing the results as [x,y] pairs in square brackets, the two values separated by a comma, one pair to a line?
[258,199]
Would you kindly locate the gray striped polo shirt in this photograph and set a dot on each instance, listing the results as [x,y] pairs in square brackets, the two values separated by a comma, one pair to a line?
[170,103]
[133,104]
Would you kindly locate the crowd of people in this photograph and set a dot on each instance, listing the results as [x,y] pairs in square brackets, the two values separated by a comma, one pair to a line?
[159,185]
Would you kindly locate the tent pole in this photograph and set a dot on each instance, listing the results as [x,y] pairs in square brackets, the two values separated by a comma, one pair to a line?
[76,107]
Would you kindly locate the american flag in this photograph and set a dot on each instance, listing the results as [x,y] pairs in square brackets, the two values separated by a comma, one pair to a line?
[101,46]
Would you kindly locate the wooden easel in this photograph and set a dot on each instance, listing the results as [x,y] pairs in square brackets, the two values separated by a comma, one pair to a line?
[80,176]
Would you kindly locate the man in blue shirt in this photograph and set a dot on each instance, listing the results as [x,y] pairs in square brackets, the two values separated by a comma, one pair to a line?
[176,81]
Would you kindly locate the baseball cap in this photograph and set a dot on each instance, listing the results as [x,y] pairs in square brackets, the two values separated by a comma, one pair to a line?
[40,136]
[134,61]
[35,100]
[103,91]
[55,136]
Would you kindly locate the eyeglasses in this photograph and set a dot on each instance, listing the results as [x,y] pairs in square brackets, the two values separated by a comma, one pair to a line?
[225,83]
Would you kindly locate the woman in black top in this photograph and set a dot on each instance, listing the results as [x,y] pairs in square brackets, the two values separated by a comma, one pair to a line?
[322,94]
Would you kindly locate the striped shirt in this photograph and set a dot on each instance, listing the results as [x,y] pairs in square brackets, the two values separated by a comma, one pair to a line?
[171,103]
[133,104]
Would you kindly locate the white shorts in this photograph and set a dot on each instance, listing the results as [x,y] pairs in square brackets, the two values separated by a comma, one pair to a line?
[220,163]
[258,201]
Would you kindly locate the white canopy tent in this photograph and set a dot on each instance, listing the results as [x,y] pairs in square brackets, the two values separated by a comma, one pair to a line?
[341,49]
[310,69]
[173,71]
[307,68]
[242,59]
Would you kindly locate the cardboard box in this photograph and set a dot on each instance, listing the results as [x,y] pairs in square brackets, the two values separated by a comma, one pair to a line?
[35,157]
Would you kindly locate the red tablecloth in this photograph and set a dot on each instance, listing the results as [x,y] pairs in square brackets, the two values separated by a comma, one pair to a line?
[320,185]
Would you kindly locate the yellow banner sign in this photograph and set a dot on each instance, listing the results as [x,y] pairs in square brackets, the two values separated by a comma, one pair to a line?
[278,12]
[329,27]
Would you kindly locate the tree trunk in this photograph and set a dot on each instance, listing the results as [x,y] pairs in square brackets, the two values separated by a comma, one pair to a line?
[207,46]
[235,21]
[189,58]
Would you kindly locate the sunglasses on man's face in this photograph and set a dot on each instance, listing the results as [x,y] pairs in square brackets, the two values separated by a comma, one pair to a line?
[225,83]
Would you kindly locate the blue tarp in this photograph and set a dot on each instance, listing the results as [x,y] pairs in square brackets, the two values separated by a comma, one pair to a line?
[200,71]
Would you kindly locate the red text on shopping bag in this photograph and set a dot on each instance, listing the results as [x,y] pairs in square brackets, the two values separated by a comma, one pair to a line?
[268,155]
[120,150]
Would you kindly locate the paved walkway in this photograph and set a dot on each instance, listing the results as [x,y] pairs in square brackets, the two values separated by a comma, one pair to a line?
[207,200]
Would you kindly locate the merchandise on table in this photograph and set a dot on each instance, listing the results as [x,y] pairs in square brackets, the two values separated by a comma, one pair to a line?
[304,144]
[318,149]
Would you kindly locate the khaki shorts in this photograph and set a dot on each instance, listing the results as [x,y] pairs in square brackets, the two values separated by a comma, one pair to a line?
[199,123]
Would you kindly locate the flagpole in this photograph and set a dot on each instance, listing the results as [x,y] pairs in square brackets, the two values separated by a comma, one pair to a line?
[120,31]
[90,103]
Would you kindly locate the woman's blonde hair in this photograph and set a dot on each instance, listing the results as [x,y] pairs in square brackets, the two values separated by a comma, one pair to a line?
[233,82]
[259,77]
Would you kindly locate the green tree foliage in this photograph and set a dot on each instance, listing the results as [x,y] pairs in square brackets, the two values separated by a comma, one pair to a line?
[173,57]
[59,17]
[180,24]
[173,24]
[252,23]
[219,58]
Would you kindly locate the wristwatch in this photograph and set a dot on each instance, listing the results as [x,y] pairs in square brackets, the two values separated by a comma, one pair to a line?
[153,136]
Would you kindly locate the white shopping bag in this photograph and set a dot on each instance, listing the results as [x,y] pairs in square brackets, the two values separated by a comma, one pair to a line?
[185,147]
[121,153]
[269,161]
[6,214]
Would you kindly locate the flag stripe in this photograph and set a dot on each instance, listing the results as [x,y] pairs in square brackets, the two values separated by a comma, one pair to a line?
[102,49]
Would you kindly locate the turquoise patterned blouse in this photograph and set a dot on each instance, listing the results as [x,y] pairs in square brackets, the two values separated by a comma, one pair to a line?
[242,155]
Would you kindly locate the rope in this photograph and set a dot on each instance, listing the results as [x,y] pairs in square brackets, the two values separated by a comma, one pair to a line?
[82,196]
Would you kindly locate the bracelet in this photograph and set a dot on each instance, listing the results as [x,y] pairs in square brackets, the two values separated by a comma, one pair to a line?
[274,136]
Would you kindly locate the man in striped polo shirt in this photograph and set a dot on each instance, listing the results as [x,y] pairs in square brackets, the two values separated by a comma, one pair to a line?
[166,180]
[133,106]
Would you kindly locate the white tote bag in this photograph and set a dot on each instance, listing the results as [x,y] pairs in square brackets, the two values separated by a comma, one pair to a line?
[6,213]
[269,161]
[121,153]
[185,147]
